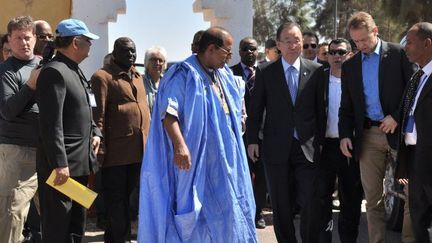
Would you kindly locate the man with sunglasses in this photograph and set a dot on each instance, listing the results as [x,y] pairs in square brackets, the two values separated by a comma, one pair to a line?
[310,46]
[43,36]
[373,82]
[195,183]
[69,139]
[248,50]
[333,163]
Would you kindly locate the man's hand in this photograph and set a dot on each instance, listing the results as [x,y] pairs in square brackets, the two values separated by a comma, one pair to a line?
[243,126]
[253,152]
[388,124]
[96,143]
[346,147]
[182,157]
[62,175]
[31,82]
[403,181]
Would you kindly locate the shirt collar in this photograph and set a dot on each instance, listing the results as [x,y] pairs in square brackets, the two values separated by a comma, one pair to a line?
[118,71]
[428,69]
[376,51]
[286,65]
[334,79]
[66,60]
[244,66]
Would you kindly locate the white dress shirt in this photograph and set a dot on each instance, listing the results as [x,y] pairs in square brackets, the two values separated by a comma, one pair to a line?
[334,98]
[411,137]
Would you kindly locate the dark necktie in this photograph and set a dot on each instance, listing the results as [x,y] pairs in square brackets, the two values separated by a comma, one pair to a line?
[250,78]
[410,95]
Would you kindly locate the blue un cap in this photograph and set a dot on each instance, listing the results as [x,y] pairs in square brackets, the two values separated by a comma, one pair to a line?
[74,27]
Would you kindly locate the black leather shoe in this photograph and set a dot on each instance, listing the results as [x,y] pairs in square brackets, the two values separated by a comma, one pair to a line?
[260,222]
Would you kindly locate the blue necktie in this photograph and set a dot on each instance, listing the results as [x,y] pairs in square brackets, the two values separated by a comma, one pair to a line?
[292,82]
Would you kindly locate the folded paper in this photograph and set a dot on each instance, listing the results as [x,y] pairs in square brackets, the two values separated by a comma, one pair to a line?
[75,190]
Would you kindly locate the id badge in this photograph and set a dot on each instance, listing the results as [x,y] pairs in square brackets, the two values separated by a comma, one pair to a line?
[92,100]
[409,127]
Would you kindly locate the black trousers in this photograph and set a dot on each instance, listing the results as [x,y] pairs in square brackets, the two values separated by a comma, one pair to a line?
[118,184]
[62,219]
[32,230]
[420,202]
[259,183]
[291,182]
[334,164]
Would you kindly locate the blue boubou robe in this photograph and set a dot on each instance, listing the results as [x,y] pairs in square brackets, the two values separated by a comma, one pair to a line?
[213,201]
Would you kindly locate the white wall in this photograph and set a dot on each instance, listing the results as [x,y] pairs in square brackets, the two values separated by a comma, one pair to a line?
[96,14]
[234,15]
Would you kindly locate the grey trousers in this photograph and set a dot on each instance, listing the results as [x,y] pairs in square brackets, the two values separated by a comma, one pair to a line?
[18,185]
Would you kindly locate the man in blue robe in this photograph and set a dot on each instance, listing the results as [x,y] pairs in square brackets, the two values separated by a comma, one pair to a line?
[195,183]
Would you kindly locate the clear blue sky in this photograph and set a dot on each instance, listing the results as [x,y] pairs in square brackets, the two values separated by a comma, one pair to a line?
[167,23]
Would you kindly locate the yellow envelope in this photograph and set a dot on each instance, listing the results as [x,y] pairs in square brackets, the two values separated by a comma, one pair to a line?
[75,190]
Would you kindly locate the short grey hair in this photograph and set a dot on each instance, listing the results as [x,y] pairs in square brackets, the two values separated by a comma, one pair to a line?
[153,50]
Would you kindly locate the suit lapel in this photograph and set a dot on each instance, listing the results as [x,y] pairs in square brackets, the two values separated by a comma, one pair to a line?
[358,76]
[382,65]
[426,89]
[240,71]
[280,80]
[304,76]
[326,89]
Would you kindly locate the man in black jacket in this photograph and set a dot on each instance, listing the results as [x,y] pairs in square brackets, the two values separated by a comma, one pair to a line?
[248,50]
[333,163]
[415,140]
[69,137]
[287,90]
[373,81]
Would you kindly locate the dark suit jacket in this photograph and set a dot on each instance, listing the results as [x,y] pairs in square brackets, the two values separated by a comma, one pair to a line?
[323,96]
[65,119]
[394,73]
[420,164]
[271,93]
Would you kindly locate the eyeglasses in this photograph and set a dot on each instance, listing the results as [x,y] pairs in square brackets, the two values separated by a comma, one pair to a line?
[45,37]
[157,60]
[340,52]
[227,52]
[84,39]
[249,48]
[289,42]
[306,46]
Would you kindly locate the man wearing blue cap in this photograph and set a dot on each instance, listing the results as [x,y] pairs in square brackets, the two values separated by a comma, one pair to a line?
[69,137]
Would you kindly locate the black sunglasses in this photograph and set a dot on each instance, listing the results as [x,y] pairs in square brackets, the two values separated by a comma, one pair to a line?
[306,46]
[249,48]
[45,37]
[339,52]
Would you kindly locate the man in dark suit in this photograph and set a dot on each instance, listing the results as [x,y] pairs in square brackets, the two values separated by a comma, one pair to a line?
[333,163]
[69,137]
[415,151]
[287,91]
[248,50]
[372,85]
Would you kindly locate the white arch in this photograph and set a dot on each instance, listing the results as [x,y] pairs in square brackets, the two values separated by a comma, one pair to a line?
[234,15]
